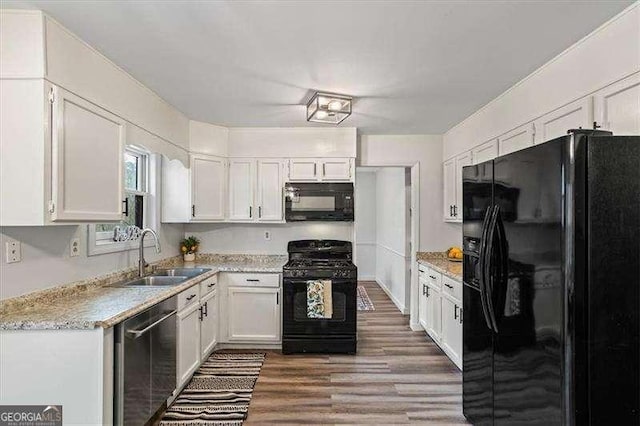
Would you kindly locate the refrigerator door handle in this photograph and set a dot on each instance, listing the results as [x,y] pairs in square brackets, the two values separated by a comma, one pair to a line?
[482,260]
[488,267]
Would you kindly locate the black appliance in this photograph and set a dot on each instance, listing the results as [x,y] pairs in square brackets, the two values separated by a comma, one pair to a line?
[318,202]
[314,260]
[551,295]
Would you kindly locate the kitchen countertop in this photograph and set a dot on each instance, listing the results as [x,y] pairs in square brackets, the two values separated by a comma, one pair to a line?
[96,303]
[439,263]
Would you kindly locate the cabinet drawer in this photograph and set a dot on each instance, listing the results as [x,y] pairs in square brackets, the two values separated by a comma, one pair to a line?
[188,297]
[253,280]
[208,285]
[434,279]
[452,287]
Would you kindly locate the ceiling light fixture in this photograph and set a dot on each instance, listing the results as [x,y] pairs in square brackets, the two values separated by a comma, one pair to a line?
[328,108]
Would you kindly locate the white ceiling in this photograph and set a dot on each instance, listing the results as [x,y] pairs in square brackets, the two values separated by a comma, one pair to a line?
[414,66]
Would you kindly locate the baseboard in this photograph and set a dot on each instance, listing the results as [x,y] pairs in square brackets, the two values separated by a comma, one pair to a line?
[257,346]
[367,278]
[416,327]
[395,301]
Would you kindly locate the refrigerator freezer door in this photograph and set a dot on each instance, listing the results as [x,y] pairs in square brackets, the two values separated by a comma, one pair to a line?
[528,295]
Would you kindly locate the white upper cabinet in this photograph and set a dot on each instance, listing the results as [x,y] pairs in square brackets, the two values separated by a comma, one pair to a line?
[449,172]
[517,139]
[485,152]
[241,189]
[208,182]
[577,114]
[462,160]
[321,169]
[87,153]
[617,107]
[269,192]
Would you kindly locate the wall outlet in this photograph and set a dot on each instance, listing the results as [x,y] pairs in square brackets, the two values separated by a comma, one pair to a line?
[75,247]
[14,251]
[267,235]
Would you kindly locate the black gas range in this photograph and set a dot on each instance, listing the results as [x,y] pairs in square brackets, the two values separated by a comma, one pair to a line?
[309,261]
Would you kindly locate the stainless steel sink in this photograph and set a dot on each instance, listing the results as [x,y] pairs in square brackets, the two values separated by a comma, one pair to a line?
[154,281]
[183,272]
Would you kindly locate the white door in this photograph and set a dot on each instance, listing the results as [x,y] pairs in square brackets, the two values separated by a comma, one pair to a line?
[303,169]
[485,152]
[188,342]
[253,314]
[209,324]
[241,185]
[336,169]
[422,305]
[449,175]
[451,329]
[518,139]
[618,106]
[462,160]
[208,187]
[87,151]
[434,315]
[572,116]
[270,190]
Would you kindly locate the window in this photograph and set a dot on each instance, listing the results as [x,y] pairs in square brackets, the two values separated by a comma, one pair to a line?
[137,206]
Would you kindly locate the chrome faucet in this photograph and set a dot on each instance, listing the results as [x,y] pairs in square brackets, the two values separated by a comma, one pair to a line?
[141,262]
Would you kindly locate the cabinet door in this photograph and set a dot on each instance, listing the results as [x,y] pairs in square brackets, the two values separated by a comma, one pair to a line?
[270,190]
[449,176]
[572,116]
[87,156]
[434,315]
[422,305]
[336,169]
[618,106]
[253,314]
[208,187]
[461,161]
[303,169]
[209,324]
[451,330]
[188,342]
[241,184]
[518,139]
[485,152]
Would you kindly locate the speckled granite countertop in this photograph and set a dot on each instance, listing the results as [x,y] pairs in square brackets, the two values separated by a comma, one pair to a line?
[96,303]
[439,263]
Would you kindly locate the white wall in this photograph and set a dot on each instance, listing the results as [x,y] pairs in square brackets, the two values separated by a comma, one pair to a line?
[407,150]
[605,56]
[46,261]
[365,223]
[392,254]
[239,238]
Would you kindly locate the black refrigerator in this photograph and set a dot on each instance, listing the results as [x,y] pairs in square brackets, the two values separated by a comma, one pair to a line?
[551,294]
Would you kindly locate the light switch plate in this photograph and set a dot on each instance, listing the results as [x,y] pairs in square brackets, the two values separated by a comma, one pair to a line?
[14,251]
[75,247]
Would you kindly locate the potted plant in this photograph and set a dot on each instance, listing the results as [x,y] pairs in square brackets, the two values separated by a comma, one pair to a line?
[189,247]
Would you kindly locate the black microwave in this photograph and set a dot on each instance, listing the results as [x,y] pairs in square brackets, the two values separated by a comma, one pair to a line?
[318,202]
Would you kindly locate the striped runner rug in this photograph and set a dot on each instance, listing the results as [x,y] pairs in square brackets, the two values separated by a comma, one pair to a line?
[219,392]
[363,300]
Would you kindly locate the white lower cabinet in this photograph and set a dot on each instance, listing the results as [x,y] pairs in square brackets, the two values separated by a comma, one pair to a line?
[188,342]
[209,324]
[440,312]
[253,314]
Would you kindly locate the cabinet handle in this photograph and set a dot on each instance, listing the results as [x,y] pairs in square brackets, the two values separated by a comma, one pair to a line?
[210,285]
[427,290]
[250,211]
[432,277]
[193,210]
[200,314]
[191,297]
[324,170]
[450,210]
[206,309]
[126,207]
[455,211]
[424,290]
[253,280]
[277,298]
[314,169]
[455,312]
[460,316]
[449,286]
[259,211]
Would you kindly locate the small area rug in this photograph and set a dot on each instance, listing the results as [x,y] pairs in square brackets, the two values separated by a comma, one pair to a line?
[364,303]
[219,392]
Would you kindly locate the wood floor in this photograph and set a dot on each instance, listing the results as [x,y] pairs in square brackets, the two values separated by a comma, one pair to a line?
[398,376]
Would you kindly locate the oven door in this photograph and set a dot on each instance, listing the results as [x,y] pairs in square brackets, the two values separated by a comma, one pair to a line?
[319,201]
[295,321]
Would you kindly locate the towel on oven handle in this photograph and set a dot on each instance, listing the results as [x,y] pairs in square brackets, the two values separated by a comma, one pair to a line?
[319,299]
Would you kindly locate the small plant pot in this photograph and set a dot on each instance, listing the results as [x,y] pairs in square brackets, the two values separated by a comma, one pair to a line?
[189,257]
